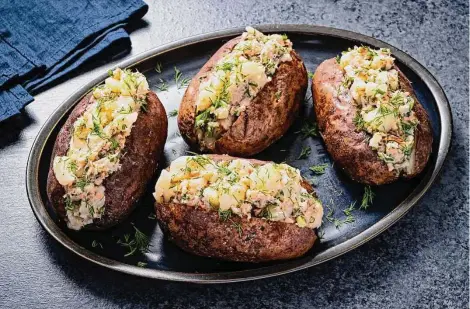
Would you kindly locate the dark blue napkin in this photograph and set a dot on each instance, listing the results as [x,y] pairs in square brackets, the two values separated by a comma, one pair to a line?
[44,41]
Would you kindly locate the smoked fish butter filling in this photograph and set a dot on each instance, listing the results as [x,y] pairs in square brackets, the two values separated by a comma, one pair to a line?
[95,148]
[385,111]
[270,191]
[235,80]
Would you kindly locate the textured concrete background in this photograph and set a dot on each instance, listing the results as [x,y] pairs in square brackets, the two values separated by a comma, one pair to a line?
[421,262]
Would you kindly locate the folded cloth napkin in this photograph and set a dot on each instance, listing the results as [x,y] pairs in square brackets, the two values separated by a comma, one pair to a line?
[44,41]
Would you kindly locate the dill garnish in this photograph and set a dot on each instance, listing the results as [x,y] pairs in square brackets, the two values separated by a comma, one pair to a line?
[319,169]
[306,151]
[180,80]
[158,68]
[140,242]
[95,244]
[173,113]
[367,198]
[309,129]
[162,86]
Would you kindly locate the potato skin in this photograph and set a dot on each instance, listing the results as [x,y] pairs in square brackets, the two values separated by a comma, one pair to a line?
[347,146]
[264,121]
[123,188]
[203,233]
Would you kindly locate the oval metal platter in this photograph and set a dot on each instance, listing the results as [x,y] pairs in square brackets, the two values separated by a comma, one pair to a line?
[338,234]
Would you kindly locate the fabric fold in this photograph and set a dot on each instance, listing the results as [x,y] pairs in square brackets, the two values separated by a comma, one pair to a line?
[43,42]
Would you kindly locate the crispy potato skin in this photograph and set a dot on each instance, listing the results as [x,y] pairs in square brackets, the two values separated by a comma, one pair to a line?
[264,121]
[203,233]
[348,147]
[123,188]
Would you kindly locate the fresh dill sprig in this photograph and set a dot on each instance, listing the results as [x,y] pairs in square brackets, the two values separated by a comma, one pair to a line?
[367,198]
[173,113]
[180,80]
[140,242]
[159,67]
[306,151]
[95,244]
[309,129]
[319,169]
[152,216]
[348,211]
[162,86]
[141,264]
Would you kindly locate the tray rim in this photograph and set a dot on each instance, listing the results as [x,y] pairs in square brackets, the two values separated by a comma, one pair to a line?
[40,212]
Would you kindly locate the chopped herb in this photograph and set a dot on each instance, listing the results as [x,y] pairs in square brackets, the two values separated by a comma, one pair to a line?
[309,129]
[180,81]
[152,216]
[338,59]
[143,106]
[238,227]
[72,166]
[114,143]
[367,198]
[81,183]
[319,169]
[110,73]
[407,149]
[95,244]
[225,66]
[266,213]
[173,113]
[311,75]
[69,204]
[158,68]
[359,121]
[224,215]
[306,151]
[277,95]
[141,264]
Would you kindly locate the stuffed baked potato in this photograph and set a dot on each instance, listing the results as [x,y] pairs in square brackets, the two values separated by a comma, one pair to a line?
[106,152]
[237,209]
[369,117]
[245,97]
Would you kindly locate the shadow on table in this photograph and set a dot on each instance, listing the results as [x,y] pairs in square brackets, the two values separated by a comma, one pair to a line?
[352,276]
[11,128]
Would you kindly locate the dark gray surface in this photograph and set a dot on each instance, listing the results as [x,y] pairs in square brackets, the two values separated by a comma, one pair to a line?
[421,262]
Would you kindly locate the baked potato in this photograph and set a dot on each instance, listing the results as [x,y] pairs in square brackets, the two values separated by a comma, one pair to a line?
[106,152]
[237,209]
[372,124]
[245,97]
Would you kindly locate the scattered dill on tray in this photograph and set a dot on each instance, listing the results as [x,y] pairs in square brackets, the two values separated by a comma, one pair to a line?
[319,169]
[305,152]
[367,198]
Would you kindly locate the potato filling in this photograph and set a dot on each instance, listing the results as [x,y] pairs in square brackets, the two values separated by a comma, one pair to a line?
[385,111]
[235,80]
[270,191]
[98,137]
